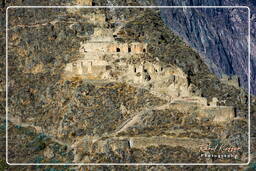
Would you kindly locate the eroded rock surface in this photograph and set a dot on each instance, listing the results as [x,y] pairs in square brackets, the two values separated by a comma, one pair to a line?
[118,88]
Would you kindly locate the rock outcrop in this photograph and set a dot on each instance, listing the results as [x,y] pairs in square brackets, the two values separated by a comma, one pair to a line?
[112,86]
[221,35]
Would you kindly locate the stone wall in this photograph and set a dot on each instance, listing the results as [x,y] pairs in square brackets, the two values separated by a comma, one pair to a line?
[98,19]
[165,80]
[217,114]
[84,2]
[125,143]
[230,80]
[191,100]
[85,67]
[94,47]
[103,35]
[144,142]
[112,48]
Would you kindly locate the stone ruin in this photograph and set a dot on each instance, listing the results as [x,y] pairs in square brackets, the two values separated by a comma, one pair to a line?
[92,63]
[168,80]
[102,43]
[212,111]
[113,48]
[84,2]
[88,68]
[165,81]
[232,80]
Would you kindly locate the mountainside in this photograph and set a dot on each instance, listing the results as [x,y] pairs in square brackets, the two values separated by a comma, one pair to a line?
[112,86]
[220,35]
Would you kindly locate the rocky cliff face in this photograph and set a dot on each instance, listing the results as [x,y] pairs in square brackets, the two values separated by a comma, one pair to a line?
[93,120]
[220,35]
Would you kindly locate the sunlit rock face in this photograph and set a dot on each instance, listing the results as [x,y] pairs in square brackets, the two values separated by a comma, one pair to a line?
[220,35]
[81,93]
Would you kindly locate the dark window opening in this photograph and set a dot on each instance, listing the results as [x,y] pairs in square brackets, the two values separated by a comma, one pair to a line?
[145,70]
[134,69]
[189,81]
[129,49]
[114,35]
[54,36]
[190,73]
[117,49]
[208,104]
[144,50]
[161,69]
[162,37]
[155,70]
[108,67]
[93,3]
[147,77]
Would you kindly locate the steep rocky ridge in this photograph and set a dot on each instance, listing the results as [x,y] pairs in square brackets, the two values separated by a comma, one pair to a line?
[220,36]
[78,100]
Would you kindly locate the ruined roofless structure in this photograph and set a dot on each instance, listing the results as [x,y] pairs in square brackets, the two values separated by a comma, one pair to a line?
[167,81]
[102,43]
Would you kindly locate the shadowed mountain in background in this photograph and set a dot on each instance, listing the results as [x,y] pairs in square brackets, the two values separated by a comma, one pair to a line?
[220,35]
